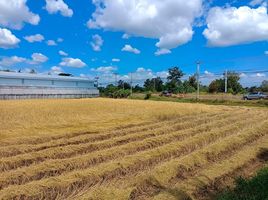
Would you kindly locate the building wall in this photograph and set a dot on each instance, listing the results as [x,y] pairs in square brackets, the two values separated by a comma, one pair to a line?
[23,86]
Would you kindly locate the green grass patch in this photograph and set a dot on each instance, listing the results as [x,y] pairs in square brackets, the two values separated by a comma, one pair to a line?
[255,188]
[259,103]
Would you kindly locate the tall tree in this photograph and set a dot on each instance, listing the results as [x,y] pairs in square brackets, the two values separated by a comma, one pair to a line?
[154,84]
[264,86]
[175,74]
[174,83]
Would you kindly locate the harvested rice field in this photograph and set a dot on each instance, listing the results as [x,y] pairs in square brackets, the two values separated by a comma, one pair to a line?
[126,149]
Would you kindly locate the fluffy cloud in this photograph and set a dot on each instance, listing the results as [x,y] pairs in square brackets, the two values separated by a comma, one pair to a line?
[97,42]
[125,36]
[13,14]
[51,43]
[72,62]
[62,53]
[59,40]
[115,60]
[169,21]
[131,49]
[34,38]
[232,26]
[56,70]
[39,58]
[11,61]
[207,73]
[7,39]
[54,6]
[160,52]
[106,70]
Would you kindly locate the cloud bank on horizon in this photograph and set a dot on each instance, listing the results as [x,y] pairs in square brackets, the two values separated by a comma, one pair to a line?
[169,25]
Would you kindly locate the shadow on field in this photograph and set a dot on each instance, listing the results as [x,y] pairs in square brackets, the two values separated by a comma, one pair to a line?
[263,155]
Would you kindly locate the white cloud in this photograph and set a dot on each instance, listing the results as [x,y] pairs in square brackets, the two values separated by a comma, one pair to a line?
[59,40]
[163,74]
[39,58]
[125,36]
[13,14]
[107,69]
[232,26]
[51,43]
[7,39]
[131,49]
[169,21]
[54,6]
[115,60]
[207,73]
[56,70]
[62,53]
[243,75]
[162,52]
[259,75]
[97,42]
[34,38]
[11,61]
[266,53]
[72,62]
[256,2]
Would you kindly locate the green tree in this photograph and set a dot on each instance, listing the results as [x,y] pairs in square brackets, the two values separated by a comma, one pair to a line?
[233,84]
[175,75]
[174,83]
[154,84]
[214,86]
[123,85]
[264,86]
[192,81]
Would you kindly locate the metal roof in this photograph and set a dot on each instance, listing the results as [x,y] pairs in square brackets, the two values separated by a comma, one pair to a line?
[16,75]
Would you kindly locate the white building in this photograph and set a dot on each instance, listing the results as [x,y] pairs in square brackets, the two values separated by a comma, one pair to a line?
[23,85]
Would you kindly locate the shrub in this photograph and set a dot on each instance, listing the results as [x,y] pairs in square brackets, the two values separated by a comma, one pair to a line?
[148,95]
[249,189]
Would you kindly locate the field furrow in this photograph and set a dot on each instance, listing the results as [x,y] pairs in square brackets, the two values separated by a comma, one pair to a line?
[79,149]
[68,183]
[182,169]
[93,137]
[162,177]
[57,167]
[206,176]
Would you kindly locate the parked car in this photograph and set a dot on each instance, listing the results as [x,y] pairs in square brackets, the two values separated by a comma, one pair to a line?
[166,94]
[255,95]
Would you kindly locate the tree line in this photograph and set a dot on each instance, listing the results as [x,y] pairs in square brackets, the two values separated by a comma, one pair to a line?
[175,84]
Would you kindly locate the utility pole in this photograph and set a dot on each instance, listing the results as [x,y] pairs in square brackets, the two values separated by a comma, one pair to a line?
[115,79]
[226,81]
[97,81]
[197,79]
[154,84]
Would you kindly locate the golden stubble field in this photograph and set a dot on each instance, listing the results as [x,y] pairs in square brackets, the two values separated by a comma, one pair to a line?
[124,149]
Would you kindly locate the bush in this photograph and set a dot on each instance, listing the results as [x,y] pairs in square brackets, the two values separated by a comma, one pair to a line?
[148,95]
[249,189]
[121,93]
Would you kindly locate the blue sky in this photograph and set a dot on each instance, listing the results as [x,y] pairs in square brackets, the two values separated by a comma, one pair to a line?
[229,35]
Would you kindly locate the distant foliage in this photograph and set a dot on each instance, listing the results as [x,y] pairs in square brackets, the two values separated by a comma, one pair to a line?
[233,84]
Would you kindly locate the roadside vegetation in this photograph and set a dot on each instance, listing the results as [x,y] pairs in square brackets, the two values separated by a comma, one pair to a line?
[176,86]
[249,189]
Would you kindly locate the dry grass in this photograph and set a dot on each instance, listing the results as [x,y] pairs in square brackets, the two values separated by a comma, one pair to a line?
[122,149]
[53,117]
